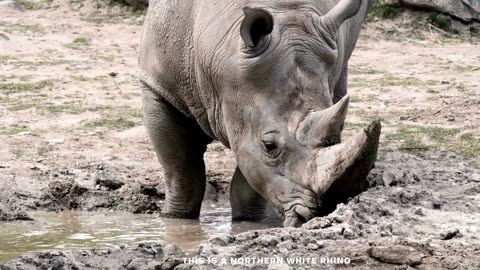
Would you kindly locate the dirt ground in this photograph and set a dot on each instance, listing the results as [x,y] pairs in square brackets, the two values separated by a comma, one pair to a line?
[71,124]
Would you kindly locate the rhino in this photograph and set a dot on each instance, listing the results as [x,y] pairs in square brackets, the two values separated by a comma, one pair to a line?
[267,79]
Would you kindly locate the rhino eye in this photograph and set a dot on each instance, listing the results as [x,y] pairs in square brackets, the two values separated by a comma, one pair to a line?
[270,146]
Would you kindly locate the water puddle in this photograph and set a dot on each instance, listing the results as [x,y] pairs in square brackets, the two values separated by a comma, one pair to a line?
[83,230]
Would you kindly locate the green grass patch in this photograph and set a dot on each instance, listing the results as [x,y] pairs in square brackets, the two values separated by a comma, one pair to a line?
[120,118]
[462,69]
[362,71]
[359,82]
[5,58]
[81,78]
[355,99]
[11,88]
[390,80]
[80,42]
[44,149]
[414,138]
[4,37]
[29,4]
[14,129]
[21,27]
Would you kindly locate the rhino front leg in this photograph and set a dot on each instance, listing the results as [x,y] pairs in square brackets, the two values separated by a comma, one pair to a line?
[341,87]
[179,144]
[246,203]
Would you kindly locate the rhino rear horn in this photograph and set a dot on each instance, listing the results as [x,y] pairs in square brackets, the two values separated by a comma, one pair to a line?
[343,11]
[324,128]
[256,25]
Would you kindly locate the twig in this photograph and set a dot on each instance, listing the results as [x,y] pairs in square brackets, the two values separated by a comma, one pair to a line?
[413,148]
[438,29]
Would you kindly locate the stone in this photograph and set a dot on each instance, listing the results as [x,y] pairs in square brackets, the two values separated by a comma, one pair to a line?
[312,246]
[104,179]
[317,223]
[268,240]
[12,5]
[396,254]
[389,179]
[449,234]
[465,10]
[56,141]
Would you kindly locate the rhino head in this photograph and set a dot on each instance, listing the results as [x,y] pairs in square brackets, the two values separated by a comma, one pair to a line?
[280,116]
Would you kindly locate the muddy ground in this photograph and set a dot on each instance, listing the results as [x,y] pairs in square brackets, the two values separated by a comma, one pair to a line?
[71,137]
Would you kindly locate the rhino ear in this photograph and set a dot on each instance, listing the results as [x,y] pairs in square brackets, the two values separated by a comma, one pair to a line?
[256,25]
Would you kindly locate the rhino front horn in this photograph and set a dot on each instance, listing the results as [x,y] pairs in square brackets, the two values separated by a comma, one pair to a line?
[343,11]
[342,169]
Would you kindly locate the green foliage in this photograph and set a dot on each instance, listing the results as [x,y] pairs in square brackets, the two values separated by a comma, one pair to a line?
[382,11]
[135,5]
[440,21]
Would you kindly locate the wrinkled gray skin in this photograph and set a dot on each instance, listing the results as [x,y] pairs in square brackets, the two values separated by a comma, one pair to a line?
[261,77]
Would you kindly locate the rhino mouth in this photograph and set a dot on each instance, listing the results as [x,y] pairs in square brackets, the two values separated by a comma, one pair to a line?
[341,173]
[300,210]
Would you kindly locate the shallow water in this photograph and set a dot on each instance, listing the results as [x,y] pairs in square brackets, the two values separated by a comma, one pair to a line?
[82,230]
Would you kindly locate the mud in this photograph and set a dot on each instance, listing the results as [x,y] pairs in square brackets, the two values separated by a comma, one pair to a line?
[10,211]
[71,137]
[421,211]
[151,255]
[95,189]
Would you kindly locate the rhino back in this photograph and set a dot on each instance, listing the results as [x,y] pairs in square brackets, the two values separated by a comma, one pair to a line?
[187,48]
[164,52]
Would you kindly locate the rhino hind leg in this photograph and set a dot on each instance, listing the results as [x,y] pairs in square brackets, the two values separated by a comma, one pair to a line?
[246,203]
[179,144]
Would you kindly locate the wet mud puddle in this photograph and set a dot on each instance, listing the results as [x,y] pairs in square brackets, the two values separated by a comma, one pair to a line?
[84,230]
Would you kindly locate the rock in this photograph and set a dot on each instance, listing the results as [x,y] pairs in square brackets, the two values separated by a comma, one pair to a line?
[113,74]
[10,211]
[169,264]
[317,223]
[268,240]
[222,240]
[449,234]
[285,246]
[172,250]
[436,203]
[4,165]
[127,258]
[26,133]
[312,246]
[136,2]
[104,179]
[389,179]
[156,191]
[396,254]
[282,266]
[419,212]
[465,10]
[10,4]
[56,141]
